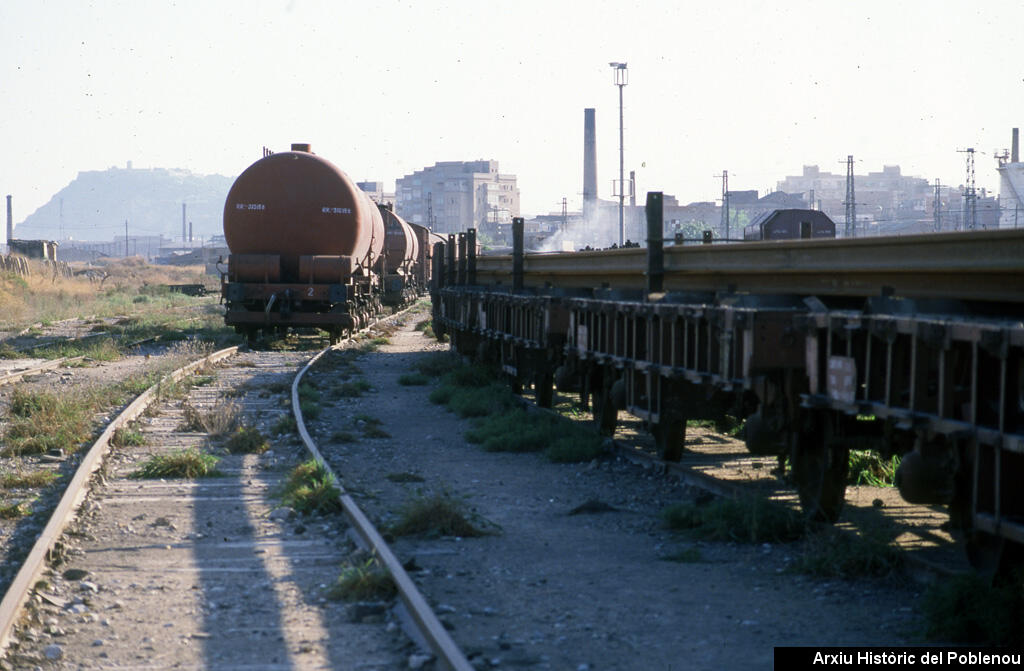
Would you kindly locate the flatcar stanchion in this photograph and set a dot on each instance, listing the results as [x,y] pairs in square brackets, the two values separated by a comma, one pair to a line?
[437,272]
[451,259]
[517,253]
[655,243]
[471,256]
[462,259]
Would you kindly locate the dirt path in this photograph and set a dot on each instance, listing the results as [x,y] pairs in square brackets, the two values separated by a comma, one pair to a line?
[555,590]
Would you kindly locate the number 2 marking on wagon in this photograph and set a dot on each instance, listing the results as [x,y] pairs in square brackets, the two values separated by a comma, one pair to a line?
[309,292]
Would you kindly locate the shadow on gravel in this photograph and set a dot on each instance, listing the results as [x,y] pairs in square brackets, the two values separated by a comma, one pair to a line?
[252,575]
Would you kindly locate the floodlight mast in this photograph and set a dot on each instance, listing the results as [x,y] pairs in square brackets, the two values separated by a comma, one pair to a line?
[621,79]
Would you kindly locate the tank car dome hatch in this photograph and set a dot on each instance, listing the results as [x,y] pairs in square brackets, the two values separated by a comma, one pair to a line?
[296,203]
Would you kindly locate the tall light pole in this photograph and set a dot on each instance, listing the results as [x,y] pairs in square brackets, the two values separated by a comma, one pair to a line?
[621,79]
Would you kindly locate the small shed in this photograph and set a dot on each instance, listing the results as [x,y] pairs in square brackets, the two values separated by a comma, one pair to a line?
[790,225]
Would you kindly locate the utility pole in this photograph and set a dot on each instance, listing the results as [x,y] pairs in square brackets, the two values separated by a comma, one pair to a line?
[725,202]
[621,79]
[937,207]
[970,196]
[565,214]
[851,201]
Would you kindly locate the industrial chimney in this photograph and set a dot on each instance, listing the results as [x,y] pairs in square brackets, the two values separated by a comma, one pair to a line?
[10,221]
[589,162]
[1015,147]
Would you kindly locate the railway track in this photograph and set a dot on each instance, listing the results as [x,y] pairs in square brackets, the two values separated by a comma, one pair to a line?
[218,550]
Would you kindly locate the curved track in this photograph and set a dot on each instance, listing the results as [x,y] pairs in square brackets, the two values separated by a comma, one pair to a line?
[163,566]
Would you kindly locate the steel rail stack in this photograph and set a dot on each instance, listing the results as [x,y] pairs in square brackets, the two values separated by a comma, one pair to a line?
[910,345]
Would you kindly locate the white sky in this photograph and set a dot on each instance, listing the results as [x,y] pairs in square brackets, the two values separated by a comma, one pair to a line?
[383,88]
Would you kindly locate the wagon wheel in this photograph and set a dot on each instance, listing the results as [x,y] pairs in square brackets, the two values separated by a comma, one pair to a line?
[820,464]
[986,551]
[670,436]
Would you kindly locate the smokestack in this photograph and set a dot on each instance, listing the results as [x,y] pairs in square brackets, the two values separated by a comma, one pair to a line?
[589,159]
[1015,147]
[10,221]
[183,224]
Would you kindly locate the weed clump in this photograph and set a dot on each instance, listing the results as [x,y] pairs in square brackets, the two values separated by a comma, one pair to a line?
[370,426]
[969,609]
[127,436]
[189,464]
[41,421]
[31,479]
[284,425]
[368,581]
[14,510]
[352,388]
[413,379]
[745,520]
[247,440]
[867,468]
[219,420]
[310,488]
[831,552]
[437,515]
[435,364]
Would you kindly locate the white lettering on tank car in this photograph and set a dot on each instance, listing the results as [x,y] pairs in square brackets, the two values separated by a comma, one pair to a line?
[250,206]
[336,210]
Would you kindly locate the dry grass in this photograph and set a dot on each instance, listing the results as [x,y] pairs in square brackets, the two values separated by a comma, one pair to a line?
[219,420]
[41,297]
[440,514]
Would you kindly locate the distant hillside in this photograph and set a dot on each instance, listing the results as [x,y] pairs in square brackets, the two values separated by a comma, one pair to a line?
[97,203]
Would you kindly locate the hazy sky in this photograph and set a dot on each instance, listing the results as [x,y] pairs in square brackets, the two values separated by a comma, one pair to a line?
[386,88]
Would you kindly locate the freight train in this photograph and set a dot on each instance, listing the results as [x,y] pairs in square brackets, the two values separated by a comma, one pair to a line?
[908,345]
[308,248]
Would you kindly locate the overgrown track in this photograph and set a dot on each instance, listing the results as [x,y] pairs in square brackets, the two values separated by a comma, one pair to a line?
[206,573]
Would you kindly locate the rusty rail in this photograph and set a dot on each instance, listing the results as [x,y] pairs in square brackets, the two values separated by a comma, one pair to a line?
[427,624]
[22,585]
